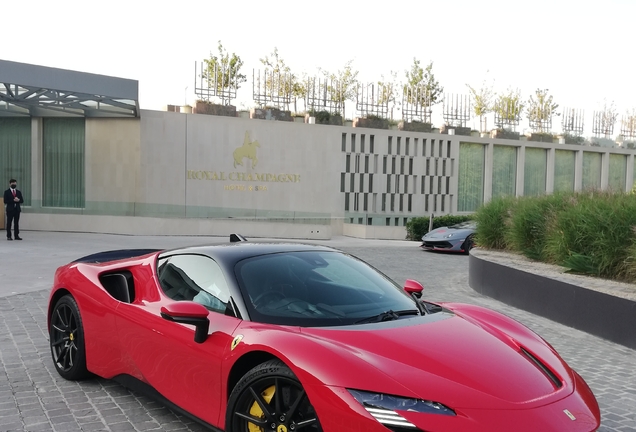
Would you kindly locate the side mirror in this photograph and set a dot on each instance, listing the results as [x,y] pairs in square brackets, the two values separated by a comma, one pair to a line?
[188,312]
[413,288]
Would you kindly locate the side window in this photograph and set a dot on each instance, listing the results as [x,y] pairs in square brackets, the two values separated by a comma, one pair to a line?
[196,278]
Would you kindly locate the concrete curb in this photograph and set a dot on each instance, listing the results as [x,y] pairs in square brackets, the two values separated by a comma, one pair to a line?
[594,312]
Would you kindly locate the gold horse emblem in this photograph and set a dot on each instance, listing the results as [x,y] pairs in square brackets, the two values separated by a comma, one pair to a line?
[281,428]
[247,150]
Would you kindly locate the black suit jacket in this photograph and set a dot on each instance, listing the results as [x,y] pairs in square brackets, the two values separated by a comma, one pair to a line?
[12,206]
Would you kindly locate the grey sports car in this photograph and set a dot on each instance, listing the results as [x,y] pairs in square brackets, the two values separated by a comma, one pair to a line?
[454,238]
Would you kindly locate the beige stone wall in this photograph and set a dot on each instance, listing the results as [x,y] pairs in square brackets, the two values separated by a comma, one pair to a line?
[112,160]
[212,166]
[163,151]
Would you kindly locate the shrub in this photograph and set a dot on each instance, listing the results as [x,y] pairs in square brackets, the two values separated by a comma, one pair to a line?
[596,235]
[530,222]
[492,219]
[588,232]
[418,226]
[321,116]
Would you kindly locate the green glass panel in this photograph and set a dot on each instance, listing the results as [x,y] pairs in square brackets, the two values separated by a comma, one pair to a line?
[564,168]
[63,162]
[617,172]
[504,170]
[471,176]
[591,170]
[15,154]
[535,170]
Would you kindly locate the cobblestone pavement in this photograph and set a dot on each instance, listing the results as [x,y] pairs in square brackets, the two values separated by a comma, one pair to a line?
[34,398]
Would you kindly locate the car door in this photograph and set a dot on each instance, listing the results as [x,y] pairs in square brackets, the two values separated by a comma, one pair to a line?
[164,353]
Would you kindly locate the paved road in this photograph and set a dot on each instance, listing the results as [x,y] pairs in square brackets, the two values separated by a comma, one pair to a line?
[34,398]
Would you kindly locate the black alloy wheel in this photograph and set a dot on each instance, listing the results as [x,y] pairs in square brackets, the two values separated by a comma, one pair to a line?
[270,398]
[468,244]
[66,337]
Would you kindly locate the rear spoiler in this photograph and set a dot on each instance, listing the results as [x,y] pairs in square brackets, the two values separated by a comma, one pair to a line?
[234,238]
[115,255]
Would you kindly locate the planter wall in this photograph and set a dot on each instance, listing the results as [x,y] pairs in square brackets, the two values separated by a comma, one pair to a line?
[504,134]
[334,120]
[415,127]
[373,123]
[541,137]
[465,131]
[271,114]
[214,109]
[570,139]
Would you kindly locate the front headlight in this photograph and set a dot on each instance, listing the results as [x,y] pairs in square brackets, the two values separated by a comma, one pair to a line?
[382,407]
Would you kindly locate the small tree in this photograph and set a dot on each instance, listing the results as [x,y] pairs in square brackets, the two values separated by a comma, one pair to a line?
[299,90]
[344,84]
[628,125]
[541,109]
[482,101]
[508,108]
[605,120]
[281,81]
[223,73]
[422,90]
[387,89]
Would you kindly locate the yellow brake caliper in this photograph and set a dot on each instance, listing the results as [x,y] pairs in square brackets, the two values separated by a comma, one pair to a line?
[256,410]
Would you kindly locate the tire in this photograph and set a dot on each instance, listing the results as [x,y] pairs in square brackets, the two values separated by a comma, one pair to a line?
[66,338]
[253,401]
[468,244]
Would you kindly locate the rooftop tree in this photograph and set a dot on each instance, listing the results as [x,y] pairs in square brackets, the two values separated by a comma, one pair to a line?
[541,109]
[482,101]
[223,73]
[422,90]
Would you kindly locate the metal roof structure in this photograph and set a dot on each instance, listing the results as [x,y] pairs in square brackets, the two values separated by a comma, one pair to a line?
[40,91]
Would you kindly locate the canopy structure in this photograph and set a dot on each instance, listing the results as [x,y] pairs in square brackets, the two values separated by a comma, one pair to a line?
[39,91]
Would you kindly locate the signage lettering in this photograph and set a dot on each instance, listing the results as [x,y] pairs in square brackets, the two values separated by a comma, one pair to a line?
[243,177]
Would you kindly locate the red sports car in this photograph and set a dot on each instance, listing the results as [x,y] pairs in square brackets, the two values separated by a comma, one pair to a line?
[255,337]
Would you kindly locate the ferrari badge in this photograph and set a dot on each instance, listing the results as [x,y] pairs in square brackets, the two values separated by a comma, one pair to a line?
[236,341]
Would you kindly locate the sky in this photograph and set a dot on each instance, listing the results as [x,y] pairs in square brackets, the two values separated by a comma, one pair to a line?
[581,51]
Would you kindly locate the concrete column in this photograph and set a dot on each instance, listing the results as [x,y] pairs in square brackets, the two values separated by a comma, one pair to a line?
[521,169]
[605,170]
[37,152]
[454,174]
[629,173]
[578,170]
[549,181]
[488,169]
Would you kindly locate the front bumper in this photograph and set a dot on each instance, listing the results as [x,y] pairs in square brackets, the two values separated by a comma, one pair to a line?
[578,412]
[453,246]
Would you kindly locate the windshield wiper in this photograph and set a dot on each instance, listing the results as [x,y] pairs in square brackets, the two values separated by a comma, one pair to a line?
[389,315]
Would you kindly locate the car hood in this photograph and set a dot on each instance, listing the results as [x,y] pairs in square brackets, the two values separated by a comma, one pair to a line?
[450,360]
[442,233]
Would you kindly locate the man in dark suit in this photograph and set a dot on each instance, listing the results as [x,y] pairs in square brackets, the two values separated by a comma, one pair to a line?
[12,200]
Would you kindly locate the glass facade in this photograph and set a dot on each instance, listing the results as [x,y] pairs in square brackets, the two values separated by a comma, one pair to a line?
[564,168]
[617,172]
[591,170]
[63,163]
[15,154]
[535,170]
[504,171]
[471,176]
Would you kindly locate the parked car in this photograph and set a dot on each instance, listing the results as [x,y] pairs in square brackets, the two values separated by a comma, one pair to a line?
[454,238]
[256,337]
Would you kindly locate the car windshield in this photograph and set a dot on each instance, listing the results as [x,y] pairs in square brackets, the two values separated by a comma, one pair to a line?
[465,225]
[314,288]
